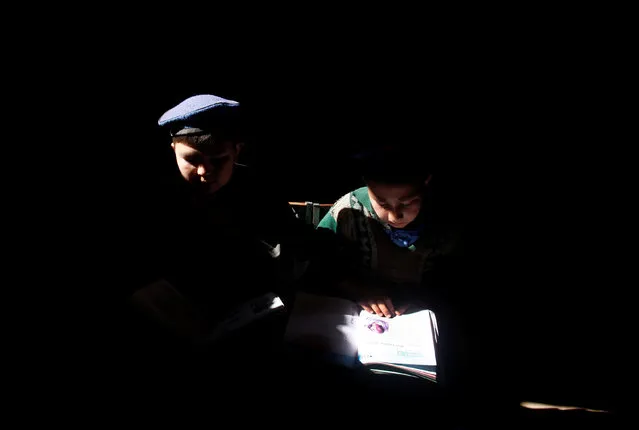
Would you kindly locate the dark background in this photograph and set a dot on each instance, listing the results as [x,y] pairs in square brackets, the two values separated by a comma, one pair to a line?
[515,164]
[526,155]
[302,127]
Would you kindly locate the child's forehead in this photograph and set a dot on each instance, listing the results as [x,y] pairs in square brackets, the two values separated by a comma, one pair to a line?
[397,191]
[209,148]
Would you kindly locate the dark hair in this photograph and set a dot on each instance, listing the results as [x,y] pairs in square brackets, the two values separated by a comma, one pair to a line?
[394,165]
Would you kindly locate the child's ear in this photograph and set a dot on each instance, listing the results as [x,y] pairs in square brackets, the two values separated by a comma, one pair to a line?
[238,148]
[428,179]
[173,146]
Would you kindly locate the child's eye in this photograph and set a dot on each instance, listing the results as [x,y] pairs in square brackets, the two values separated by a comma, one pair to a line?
[192,160]
[411,203]
[218,161]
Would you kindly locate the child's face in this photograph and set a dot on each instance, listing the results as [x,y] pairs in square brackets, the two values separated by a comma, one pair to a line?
[210,167]
[396,204]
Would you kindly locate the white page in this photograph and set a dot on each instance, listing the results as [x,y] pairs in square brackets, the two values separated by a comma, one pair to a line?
[324,323]
[246,313]
[405,339]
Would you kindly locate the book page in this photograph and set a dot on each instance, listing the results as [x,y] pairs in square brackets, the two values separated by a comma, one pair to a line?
[163,303]
[406,339]
[325,324]
[246,313]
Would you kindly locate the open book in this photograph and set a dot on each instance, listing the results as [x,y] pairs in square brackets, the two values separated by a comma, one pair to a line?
[341,331]
[162,302]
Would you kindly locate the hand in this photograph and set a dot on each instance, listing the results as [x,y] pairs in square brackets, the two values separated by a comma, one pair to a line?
[383,306]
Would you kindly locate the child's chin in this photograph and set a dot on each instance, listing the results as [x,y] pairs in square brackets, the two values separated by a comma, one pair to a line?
[399,225]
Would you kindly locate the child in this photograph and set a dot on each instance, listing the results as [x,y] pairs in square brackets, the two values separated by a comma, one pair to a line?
[227,237]
[388,232]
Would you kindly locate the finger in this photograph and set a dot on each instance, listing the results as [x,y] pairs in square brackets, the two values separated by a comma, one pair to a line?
[389,305]
[384,309]
[366,307]
[402,309]
[376,309]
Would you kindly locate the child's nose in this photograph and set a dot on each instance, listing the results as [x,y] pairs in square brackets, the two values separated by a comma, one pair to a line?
[202,170]
[394,216]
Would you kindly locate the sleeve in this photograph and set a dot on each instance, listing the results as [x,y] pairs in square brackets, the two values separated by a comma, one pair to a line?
[337,260]
[328,222]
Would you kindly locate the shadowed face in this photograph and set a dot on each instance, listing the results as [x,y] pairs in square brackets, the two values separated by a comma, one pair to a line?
[396,204]
[207,166]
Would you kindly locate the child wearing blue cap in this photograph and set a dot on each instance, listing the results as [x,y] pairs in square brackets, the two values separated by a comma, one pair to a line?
[206,139]
[228,238]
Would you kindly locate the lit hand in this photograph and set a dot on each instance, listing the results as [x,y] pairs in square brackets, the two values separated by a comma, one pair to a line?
[382,306]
